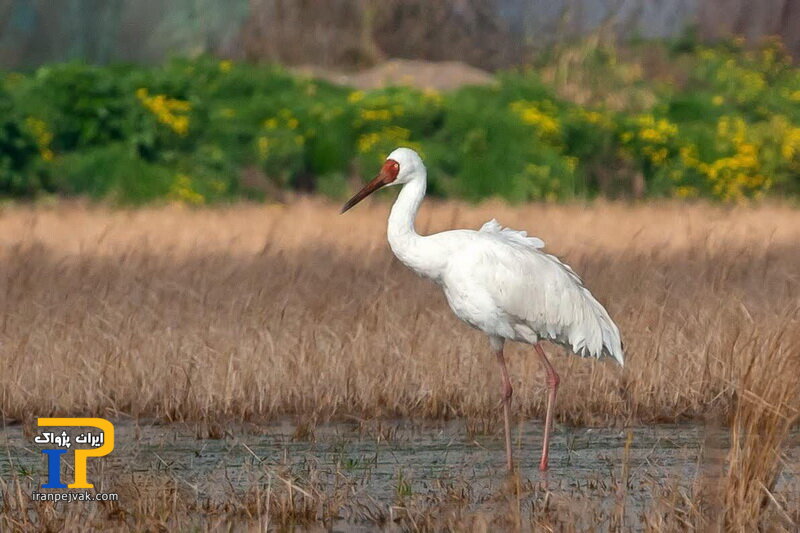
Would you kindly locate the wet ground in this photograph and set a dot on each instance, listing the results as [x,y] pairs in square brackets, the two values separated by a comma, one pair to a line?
[382,461]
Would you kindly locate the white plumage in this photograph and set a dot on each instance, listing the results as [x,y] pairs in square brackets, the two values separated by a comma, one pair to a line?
[497,280]
[529,295]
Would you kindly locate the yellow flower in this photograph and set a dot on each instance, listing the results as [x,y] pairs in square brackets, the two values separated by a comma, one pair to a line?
[386,138]
[532,114]
[42,135]
[169,111]
[432,95]
[790,145]
[595,117]
[355,96]
[181,191]
[367,141]
[263,146]
[225,65]
[651,134]
[655,131]
[659,156]
[717,100]
[733,129]
[376,114]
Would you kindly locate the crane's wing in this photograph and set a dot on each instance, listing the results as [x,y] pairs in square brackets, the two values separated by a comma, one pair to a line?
[521,238]
[541,296]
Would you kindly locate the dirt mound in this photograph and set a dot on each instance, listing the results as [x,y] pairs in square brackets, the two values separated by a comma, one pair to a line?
[438,75]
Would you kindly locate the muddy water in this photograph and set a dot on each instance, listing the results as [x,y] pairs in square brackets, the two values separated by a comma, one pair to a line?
[384,460]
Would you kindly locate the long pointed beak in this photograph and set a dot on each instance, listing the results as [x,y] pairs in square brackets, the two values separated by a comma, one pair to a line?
[369,188]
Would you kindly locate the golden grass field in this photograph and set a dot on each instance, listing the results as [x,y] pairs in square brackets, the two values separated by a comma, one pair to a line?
[248,312]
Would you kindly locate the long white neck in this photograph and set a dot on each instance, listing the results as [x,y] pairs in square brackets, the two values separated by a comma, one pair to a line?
[404,210]
[411,249]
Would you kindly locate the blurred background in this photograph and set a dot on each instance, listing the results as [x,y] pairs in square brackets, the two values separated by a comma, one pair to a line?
[489,34]
[204,100]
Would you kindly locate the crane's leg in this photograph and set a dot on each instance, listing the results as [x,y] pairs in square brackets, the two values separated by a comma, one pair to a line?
[507,392]
[552,386]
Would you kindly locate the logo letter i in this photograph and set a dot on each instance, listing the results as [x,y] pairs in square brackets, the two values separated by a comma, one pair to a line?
[54,469]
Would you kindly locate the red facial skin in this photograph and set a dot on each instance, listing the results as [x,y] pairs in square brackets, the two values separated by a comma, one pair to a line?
[387,175]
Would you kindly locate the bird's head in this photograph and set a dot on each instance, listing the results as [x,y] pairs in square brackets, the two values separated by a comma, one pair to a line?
[402,165]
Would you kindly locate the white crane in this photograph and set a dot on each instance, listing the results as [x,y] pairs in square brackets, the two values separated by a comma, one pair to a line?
[499,281]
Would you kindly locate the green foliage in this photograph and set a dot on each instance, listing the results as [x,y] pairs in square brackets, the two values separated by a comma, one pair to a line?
[488,147]
[114,171]
[81,105]
[191,131]
[17,152]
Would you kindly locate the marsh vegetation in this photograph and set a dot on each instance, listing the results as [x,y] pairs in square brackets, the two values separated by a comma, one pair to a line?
[248,314]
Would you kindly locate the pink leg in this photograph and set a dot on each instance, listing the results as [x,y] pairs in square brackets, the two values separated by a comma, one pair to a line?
[507,392]
[552,386]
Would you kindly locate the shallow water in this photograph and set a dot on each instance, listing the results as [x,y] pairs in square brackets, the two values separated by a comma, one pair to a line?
[381,460]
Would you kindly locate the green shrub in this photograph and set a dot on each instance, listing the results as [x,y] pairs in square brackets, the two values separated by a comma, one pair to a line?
[113,171]
[194,130]
[82,106]
[18,150]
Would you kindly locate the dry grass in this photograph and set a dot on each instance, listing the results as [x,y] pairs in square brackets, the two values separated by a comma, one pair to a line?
[250,312]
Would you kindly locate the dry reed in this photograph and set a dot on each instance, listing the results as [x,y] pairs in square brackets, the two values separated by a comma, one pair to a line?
[249,312]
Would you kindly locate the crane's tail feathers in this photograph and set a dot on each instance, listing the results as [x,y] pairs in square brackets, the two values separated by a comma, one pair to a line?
[612,344]
[606,339]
